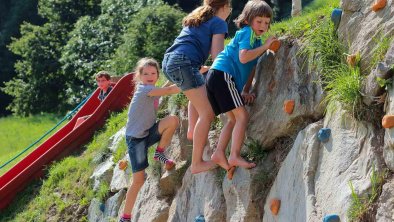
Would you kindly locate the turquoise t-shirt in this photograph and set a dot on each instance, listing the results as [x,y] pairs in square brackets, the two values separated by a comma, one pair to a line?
[228,60]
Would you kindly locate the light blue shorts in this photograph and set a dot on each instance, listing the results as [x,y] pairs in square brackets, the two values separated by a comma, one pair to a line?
[179,69]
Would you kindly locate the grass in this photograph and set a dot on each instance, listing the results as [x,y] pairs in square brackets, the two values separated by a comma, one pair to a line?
[362,205]
[382,45]
[67,186]
[255,151]
[17,133]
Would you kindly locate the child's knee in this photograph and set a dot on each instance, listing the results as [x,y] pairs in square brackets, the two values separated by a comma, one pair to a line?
[174,121]
[138,181]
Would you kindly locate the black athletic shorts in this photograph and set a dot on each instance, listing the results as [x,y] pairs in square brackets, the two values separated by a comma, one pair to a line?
[222,93]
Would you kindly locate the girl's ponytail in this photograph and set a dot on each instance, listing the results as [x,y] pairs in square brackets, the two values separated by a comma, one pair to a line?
[204,12]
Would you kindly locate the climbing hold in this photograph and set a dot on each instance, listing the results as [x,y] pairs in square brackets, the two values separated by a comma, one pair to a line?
[388,121]
[351,60]
[275,45]
[122,164]
[324,134]
[275,206]
[379,4]
[288,106]
[336,16]
[331,218]
[199,218]
[102,207]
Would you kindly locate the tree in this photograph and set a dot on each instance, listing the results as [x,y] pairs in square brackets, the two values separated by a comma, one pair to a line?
[150,33]
[93,42]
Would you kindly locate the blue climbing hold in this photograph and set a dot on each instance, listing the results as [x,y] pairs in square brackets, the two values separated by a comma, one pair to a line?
[331,218]
[324,134]
[102,207]
[199,218]
[336,16]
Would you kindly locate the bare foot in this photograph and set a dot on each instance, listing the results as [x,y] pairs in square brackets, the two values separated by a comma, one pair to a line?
[202,166]
[239,161]
[189,135]
[219,158]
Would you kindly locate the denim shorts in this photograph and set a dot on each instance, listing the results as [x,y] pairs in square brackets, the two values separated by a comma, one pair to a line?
[138,148]
[179,69]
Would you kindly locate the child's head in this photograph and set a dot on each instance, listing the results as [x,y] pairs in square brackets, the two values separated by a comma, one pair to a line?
[205,12]
[147,71]
[257,14]
[103,80]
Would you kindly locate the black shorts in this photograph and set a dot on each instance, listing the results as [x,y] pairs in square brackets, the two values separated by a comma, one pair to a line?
[222,93]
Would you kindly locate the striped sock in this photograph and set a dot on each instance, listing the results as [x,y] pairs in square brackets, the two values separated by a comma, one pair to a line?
[159,155]
[125,218]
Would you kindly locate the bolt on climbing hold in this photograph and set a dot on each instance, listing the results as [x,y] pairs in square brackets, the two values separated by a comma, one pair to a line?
[275,206]
[288,106]
[388,121]
[336,16]
[122,164]
[379,4]
[331,218]
[275,45]
[199,218]
[324,134]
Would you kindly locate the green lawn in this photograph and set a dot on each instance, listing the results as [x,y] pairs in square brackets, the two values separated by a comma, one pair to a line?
[17,133]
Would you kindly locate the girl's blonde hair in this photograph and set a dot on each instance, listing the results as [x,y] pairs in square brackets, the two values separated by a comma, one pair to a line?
[253,9]
[204,12]
[142,63]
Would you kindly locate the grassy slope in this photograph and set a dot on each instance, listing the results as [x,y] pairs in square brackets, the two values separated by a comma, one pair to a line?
[17,133]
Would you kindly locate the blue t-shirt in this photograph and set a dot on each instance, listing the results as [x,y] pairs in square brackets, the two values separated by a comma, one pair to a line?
[195,42]
[228,60]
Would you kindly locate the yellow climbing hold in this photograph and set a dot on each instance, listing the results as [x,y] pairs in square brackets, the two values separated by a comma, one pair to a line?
[275,45]
[275,206]
[122,164]
[288,106]
[388,121]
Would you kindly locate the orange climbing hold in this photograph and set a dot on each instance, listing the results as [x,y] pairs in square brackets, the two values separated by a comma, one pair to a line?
[275,206]
[288,106]
[351,60]
[388,121]
[275,45]
[122,164]
[379,4]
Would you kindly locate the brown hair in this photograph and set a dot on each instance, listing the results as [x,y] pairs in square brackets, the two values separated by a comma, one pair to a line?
[102,74]
[204,12]
[144,62]
[253,9]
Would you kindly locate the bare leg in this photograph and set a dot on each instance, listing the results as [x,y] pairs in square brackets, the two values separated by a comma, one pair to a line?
[198,97]
[132,192]
[219,156]
[192,119]
[238,136]
[167,127]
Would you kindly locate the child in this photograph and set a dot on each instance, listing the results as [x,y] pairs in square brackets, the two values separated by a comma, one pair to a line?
[233,68]
[103,80]
[142,130]
[203,33]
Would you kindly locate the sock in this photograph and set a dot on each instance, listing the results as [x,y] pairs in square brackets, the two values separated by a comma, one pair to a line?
[159,155]
[125,218]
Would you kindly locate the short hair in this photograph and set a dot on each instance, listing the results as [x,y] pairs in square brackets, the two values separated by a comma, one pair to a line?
[253,9]
[102,74]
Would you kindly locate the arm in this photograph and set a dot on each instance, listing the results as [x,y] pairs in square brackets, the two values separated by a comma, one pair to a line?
[217,45]
[173,89]
[249,97]
[246,56]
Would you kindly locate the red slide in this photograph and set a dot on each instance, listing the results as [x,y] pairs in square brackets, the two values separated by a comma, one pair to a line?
[66,140]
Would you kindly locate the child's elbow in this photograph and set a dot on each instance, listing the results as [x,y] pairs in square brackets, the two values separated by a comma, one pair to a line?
[243,59]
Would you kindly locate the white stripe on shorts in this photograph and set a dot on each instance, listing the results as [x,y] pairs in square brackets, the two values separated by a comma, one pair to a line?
[233,91]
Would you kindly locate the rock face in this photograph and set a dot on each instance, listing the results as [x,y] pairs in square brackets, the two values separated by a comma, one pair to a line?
[315,171]
[280,77]
[361,28]
[310,178]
